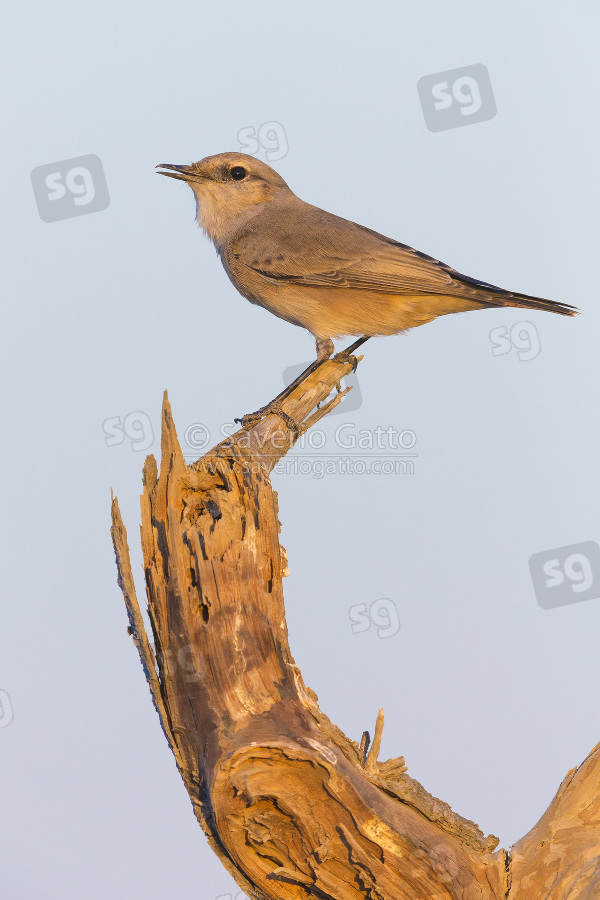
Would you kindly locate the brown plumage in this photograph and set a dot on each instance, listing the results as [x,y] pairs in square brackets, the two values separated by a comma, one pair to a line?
[320,271]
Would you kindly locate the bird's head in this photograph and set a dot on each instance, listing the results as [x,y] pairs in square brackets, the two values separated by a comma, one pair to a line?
[227,187]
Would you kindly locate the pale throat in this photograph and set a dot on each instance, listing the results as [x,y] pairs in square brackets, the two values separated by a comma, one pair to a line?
[211,217]
[219,215]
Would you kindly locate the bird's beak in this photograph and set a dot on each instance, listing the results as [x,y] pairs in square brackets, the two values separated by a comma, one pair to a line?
[182,173]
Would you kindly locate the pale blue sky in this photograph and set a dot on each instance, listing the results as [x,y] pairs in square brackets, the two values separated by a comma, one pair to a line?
[490,697]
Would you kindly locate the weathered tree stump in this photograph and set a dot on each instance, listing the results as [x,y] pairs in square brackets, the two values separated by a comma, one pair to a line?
[291,806]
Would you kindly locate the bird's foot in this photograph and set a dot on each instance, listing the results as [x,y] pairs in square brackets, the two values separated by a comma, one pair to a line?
[271,409]
[347,357]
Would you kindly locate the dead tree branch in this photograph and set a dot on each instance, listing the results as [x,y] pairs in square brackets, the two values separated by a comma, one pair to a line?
[292,807]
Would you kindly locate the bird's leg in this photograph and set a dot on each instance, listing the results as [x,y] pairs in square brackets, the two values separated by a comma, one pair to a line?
[324,350]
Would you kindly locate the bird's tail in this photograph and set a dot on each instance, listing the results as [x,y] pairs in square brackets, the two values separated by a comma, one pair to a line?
[492,295]
[526,302]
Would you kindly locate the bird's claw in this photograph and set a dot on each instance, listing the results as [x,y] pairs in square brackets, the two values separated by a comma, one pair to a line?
[345,357]
[272,409]
[249,419]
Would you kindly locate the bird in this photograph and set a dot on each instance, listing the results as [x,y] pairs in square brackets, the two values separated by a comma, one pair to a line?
[319,271]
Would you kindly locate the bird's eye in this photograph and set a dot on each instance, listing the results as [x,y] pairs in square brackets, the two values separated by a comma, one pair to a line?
[238,172]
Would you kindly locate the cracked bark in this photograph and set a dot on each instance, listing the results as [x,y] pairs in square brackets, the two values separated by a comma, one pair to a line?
[291,806]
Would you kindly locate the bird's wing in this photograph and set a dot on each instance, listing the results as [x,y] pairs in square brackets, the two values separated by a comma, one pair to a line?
[305,245]
[315,248]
